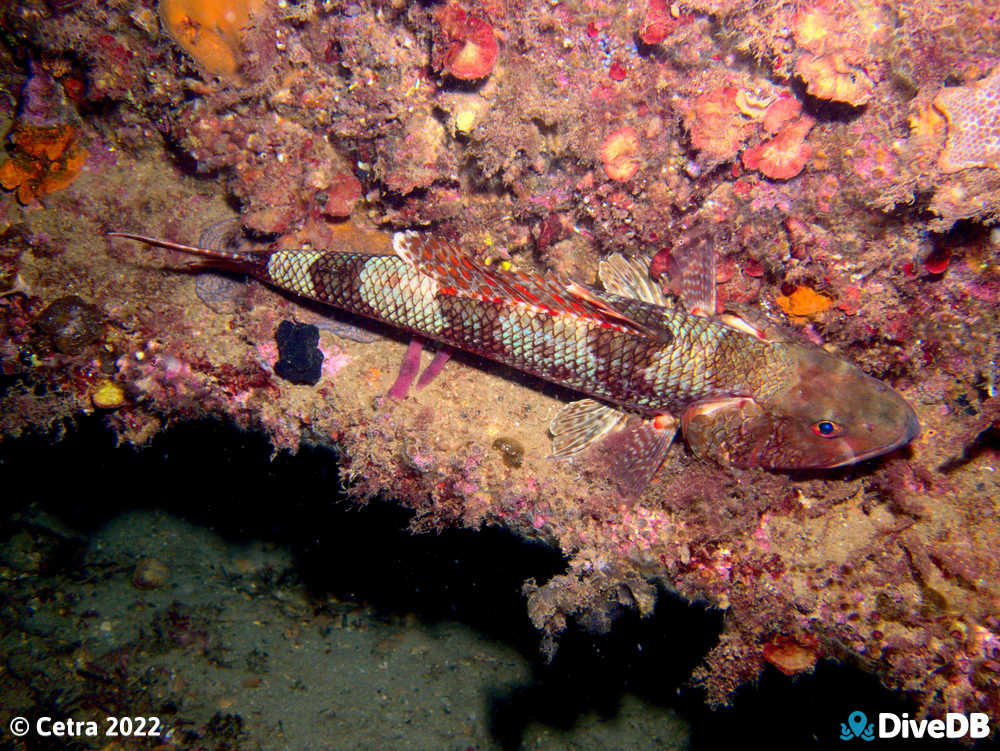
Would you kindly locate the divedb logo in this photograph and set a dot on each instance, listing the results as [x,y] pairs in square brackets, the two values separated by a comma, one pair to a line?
[891,725]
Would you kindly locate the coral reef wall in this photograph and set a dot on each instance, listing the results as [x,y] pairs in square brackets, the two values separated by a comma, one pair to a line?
[843,157]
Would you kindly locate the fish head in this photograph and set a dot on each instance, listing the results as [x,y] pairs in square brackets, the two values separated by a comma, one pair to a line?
[818,412]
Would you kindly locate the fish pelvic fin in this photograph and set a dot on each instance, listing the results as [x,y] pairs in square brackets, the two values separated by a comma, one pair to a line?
[580,424]
[624,447]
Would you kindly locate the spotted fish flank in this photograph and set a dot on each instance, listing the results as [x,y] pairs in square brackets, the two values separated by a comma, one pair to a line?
[290,269]
[411,300]
[740,393]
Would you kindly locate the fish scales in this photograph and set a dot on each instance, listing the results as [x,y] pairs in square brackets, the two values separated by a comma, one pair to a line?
[703,358]
[740,394]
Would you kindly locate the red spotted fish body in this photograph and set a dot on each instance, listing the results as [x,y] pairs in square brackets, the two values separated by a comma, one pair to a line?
[741,395]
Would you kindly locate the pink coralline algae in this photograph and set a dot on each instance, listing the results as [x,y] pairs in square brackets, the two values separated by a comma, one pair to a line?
[657,23]
[973,114]
[717,127]
[785,155]
[472,48]
[780,112]
[618,153]
[342,195]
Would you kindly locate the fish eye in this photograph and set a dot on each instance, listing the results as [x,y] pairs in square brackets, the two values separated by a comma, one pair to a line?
[826,429]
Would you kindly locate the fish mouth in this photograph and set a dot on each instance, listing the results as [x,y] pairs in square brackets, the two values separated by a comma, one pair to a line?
[910,431]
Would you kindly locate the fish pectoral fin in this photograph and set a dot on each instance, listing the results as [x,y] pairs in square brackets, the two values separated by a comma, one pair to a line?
[625,448]
[634,452]
[580,424]
[741,324]
[714,428]
[629,277]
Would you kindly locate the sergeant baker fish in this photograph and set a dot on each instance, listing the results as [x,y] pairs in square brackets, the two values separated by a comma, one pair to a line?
[741,394]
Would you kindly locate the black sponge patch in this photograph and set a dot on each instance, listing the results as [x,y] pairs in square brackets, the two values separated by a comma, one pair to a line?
[299,358]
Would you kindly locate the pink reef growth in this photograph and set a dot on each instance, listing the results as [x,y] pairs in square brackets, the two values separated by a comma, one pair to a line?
[815,146]
[43,101]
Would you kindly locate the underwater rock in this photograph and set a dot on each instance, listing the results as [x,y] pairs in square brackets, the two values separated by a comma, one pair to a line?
[150,573]
[71,324]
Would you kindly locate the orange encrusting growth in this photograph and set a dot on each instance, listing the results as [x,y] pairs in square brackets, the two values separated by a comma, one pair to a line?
[211,31]
[43,159]
[619,154]
[785,155]
[803,302]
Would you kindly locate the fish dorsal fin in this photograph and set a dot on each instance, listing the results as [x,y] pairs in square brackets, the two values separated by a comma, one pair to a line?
[458,273]
[692,273]
[696,269]
[629,277]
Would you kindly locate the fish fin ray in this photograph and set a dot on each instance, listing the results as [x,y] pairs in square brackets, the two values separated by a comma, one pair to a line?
[625,448]
[741,324]
[211,258]
[629,277]
[457,272]
[756,322]
[634,452]
[692,274]
[579,424]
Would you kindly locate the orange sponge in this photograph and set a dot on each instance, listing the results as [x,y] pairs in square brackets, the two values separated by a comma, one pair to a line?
[804,302]
[42,159]
[211,31]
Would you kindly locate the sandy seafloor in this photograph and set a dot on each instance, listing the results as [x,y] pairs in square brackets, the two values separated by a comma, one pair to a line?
[287,622]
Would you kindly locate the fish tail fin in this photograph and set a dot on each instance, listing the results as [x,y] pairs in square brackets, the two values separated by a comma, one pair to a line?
[247,263]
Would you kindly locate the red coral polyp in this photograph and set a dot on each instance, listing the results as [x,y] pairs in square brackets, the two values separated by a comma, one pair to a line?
[472,45]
